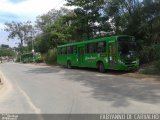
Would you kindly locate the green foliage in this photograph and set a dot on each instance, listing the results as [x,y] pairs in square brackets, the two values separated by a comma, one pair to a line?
[29,57]
[157,64]
[149,53]
[19,30]
[132,17]
[87,14]
[51,56]
[151,71]
[18,59]
[139,19]
[44,21]
[38,58]
[4,46]
[55,29]
[6,52]
[43,44]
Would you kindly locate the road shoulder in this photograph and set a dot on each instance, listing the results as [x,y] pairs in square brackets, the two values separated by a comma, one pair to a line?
[131,75]
[142,76]
[1,81]
[5,86]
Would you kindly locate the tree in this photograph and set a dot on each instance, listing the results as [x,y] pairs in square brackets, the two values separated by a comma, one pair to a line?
[151,21]
[135,17]
[6,52]
[53,29]
[4,46]
[45,20]
[19,30]
[88,13]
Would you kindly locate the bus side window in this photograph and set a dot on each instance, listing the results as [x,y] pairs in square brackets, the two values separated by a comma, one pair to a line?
[74,49]
[91,48]
[101,47]
[69,50]
[64,51]
[87,48]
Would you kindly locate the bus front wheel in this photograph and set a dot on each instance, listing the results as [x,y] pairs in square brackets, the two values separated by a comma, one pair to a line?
[69,65]
[101,67]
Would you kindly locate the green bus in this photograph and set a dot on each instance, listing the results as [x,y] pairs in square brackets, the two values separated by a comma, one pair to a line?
[29,57]
[114,52]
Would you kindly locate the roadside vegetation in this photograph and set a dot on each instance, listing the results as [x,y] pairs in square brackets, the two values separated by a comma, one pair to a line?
[6,53]
[151,69]
[139,18]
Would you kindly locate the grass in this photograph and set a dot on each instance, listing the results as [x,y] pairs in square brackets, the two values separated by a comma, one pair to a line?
[150,71]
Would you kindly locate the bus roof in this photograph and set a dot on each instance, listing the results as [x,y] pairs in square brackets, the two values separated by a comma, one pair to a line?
[93,40]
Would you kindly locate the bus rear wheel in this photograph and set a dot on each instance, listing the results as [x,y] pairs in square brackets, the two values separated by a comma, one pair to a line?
[69,65]
[101,67]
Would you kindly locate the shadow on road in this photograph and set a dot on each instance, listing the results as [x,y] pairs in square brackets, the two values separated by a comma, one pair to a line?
[111,72]
[42,70]
[106,87]
[117,89]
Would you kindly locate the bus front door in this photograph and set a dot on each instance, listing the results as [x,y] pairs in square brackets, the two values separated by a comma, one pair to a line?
[80,56]
[112,55]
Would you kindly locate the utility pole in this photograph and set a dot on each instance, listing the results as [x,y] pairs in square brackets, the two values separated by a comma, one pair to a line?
[32,39]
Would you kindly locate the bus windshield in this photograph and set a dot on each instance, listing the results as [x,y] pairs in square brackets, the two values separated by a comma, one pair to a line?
[126,46]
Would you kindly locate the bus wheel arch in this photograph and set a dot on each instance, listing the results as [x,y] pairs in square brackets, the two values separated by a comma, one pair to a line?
[100,66]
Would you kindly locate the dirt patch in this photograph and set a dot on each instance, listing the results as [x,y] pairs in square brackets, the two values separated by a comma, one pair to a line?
[142,76]
[1,82]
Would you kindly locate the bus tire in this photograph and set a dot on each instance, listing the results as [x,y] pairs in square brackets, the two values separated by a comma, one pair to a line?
[101,67]
[69,65]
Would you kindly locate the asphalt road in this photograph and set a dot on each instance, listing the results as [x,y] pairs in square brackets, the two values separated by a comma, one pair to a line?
[42,89]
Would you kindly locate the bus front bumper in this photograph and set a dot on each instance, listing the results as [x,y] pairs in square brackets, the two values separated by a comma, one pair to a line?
[128,67]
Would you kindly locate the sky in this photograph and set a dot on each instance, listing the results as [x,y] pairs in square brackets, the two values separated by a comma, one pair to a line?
[23,10]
